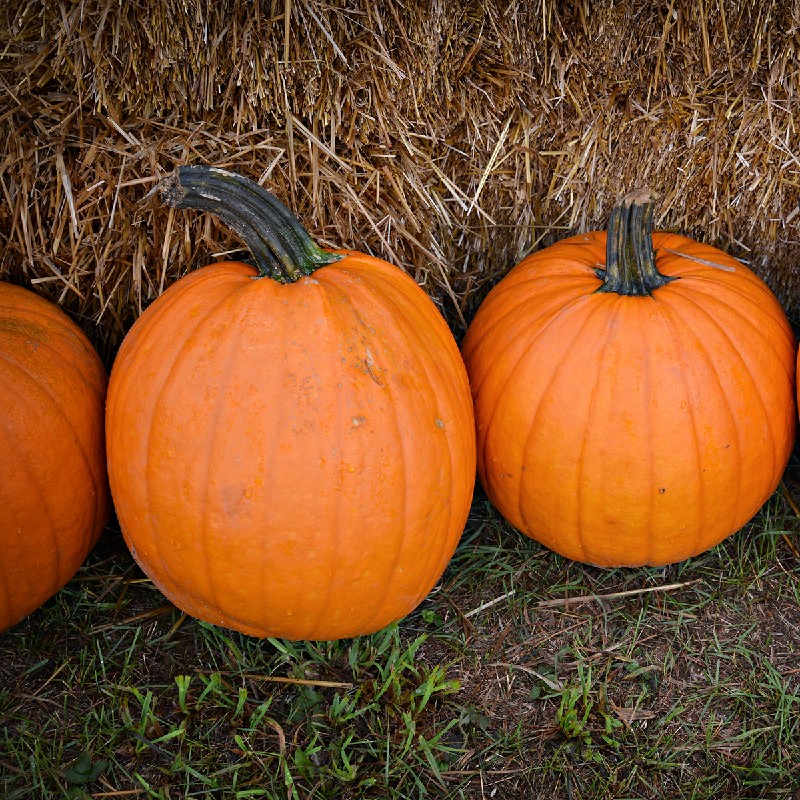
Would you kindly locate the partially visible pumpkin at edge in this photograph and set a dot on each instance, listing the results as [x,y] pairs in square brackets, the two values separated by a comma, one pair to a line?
[54,499]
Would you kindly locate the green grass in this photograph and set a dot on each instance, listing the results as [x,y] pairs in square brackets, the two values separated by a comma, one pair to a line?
[523,675]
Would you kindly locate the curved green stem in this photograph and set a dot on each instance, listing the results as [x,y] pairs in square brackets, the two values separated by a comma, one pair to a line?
[630,258]
[281,247]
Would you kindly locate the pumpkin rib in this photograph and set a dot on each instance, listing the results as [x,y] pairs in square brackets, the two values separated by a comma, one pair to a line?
[209,596]
[417,343]
[542,328]
[43,496]
[755,332]
[279,411]
[743,286]
[580,500]
[683,329]
[399,542]
[172,297]
[677,332]
[734,503]
[188,341]
[228,341]
[768,343]
[396,290]
[80,447]
[61,353]
[648,380]
[756,385]
[32,484]
[459,385]
[506,294]
[270,455]
[391,578]
[559,367]
[67,344]
[314,617]
[496,325]
[708,280]
[613,317]
[337,514]
[738,512]
[391,305]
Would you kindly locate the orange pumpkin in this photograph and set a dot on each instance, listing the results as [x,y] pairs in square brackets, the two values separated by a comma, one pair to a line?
[291,448]
[53,489]
[633,393]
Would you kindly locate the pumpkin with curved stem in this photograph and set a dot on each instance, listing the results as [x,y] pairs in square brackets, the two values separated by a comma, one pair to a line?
[633,393]
[291,447]
[54,497]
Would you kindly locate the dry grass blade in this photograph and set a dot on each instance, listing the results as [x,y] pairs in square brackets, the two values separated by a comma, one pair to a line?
[597,598]
[299,681]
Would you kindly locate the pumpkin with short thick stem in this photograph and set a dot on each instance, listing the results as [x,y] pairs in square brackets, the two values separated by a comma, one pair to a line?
[633,393]
[54,497]
[291,446]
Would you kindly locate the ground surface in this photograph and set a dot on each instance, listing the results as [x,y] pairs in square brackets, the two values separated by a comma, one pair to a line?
[523,675]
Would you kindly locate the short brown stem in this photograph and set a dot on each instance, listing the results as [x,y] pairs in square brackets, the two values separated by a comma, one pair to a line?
[630,258]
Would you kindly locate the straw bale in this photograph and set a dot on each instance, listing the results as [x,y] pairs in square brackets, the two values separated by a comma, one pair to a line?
[448,137]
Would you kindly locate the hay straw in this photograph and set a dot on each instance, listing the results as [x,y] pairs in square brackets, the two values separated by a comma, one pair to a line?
[449,138]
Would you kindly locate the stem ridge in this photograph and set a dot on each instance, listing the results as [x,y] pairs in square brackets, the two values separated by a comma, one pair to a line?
[281,247]
[630,258]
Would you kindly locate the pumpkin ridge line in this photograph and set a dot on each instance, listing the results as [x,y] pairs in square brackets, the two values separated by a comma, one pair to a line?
[332,312]
[559,305]
[558,368]
[413,338]
[269,457]
[158,402]
[57,349]
[678,331]
[607,324]
[43,319]
[400,541]
[542,327]
[359,301]
[56,552]
[775,467]
[234,314]
[394,303]
[705,283]
[767,342]
[647,391]
[99,396]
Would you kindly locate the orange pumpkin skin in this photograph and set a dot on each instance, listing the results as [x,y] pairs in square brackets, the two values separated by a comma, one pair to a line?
[54,497]
[292,460]
[631,430]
